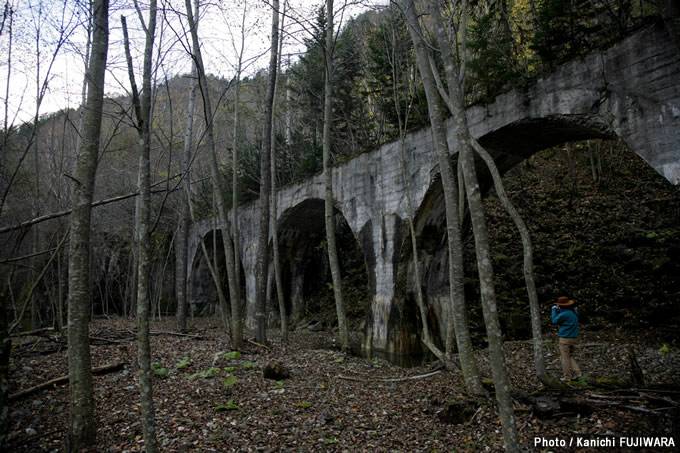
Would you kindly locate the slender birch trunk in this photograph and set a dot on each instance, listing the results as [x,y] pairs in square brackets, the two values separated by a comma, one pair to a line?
[185,216]
[5,340]
[479,228]
[6,124]
[455,248]
[527,247]
[403,127]
[329,214]
[35,239]
[82,427]
[5,350]
[275,222]
[218,180]
[265,188]
[236,306]
[142,104]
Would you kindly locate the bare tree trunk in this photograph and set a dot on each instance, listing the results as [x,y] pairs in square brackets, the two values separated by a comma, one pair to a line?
[5,350]
[82,429]
[5,340]
[217,278]
[183,231]
[479,228]
[181,269]
[35,239]
[403,127]
[539,356]
[275,221]
[6,125]
[142,106]
[218,182]
[237,305]
[289,120]
[265,188]
[212,268]
[329,213]
[62,290]
[36,282]
[435,108]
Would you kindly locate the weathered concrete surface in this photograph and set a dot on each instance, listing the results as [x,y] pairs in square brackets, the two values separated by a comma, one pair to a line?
[629,91]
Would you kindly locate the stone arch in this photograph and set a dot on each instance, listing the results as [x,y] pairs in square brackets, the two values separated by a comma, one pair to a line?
[304,265]
[509,146]
[629,91]
[201,284]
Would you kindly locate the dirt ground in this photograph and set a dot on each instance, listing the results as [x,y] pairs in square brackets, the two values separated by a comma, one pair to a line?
[209,401]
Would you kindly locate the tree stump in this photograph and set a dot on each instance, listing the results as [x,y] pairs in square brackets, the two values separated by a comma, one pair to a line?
[276,372]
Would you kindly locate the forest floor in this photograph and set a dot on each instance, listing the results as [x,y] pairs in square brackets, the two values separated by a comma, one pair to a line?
[335,402]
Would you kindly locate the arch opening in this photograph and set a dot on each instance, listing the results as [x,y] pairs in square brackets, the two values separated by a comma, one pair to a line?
[306,276]
[204,297]
[604,226]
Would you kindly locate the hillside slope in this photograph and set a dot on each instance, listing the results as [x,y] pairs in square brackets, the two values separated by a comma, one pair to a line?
[606,232]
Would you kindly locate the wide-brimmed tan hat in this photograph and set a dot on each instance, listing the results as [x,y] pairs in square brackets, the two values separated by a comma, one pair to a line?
[564,302]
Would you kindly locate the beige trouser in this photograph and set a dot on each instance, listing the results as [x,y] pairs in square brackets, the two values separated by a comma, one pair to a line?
[567,346]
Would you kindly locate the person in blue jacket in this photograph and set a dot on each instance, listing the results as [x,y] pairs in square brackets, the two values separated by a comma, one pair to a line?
[565,315]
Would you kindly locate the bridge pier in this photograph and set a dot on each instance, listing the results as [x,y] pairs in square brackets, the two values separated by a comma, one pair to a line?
[391,326]
[628,91]
[248,263]
[297,284]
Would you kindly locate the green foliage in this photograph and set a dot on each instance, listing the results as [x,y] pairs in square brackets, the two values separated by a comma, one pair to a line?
[565,29]
[204,374]
[387,47]
[329,441]
[231,355]
[491,65]
[311,159]
[160,244]
[663,350]
[248,364]
[561,30]
[158,369]
[353,127]
[210,372]
[339,359]
[304,405]
[230,381]
[229,406]
[582,381]
[183,363]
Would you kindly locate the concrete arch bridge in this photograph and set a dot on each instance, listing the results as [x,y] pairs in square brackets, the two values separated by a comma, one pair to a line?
[630,91]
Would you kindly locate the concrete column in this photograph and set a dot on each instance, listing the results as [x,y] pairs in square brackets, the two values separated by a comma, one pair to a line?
[297,285]
[203,290]
[382,245]
[272,303]
[248,262]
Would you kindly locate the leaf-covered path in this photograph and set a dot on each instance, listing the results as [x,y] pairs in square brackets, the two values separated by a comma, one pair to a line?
[209,400]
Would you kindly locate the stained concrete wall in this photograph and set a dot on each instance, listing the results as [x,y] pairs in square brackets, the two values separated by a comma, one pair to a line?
[629,91]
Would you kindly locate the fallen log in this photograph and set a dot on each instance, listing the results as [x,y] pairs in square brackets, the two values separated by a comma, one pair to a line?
[175,334]
[63,379]
[33,332]
[260,345]
[407,378]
